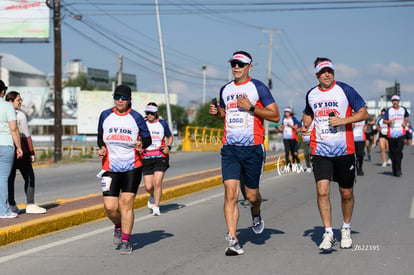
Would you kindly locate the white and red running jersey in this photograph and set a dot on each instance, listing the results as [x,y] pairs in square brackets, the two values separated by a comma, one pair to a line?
[288,131]
[359,134]
[395,130]
[159,130]
[341,99]
[241,127]
[383,127]
[120,133]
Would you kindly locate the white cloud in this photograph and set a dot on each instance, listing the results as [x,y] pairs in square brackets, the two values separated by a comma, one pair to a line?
[381,85]
[409,89]
[391,70]
[346,72]
[178,87]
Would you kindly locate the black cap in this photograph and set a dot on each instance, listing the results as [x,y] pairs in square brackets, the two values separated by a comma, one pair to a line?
[2,86]
[123,90]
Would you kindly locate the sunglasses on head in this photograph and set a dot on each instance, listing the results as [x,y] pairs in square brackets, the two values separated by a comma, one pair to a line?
[123,97]
[240,64]
[150,113]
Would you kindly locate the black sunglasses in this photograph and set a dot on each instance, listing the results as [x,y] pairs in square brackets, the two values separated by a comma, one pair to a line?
[123,97]
[240,64]
[150,113]
[324,70]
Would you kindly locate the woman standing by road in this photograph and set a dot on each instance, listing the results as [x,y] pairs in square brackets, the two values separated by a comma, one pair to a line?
[122,135]
[24,164]
[156,157]
[9,133]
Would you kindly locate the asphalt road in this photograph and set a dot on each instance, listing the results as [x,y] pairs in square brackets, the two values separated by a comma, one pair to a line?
[189,236]
[78,179]
[70,180]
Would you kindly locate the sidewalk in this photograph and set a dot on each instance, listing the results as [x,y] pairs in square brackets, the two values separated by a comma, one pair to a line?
[66,213]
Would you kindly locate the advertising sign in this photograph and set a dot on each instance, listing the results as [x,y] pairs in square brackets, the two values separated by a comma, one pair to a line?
[24,19]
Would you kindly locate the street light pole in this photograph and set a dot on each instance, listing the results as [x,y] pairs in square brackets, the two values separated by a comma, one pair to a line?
[57,81]
[164,72]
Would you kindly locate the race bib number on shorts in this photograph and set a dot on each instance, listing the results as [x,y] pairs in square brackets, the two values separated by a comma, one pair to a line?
[106,183]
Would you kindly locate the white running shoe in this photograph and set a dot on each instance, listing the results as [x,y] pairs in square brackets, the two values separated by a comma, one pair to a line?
[150,203]
[156,211]
[346,241]
[309,170]
[389,162]
[384,164]
[234,247]
[35,209]
[328,240]
[9,216]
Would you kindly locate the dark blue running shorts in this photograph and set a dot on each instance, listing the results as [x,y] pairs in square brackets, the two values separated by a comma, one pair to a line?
[245,162]
[340,169]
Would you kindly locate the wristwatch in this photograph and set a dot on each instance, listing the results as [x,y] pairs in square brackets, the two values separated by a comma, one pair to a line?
[252,108]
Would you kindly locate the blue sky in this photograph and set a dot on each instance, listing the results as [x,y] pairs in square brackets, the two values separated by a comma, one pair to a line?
[371,46]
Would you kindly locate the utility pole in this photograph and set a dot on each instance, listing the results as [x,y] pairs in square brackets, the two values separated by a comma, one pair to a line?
[57,81]
[164,72]
[204,83]
[269,79]
[120,68]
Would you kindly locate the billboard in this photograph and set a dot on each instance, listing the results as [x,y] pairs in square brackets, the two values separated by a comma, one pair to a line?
[38,105]
[22,19]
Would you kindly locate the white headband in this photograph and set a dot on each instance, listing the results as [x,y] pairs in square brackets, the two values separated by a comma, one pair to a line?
[151,109]
[241,57]
[324,64]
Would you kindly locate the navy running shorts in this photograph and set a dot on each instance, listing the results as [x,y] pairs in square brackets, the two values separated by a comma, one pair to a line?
[340,169]
[245,162]
[149,166]
[126,181]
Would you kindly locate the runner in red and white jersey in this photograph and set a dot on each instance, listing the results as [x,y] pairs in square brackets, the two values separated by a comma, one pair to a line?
[397,118]
[122,135]
[333,106]
[156,156]
[244,104]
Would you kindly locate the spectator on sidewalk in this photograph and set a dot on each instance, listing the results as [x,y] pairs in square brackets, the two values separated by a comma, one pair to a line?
[23,164]
[9,139]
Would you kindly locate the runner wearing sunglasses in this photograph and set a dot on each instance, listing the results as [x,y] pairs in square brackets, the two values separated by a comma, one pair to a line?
[244,105]
[156,156]
[122,135]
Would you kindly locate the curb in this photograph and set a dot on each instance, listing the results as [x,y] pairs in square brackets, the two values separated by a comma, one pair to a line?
[45,225]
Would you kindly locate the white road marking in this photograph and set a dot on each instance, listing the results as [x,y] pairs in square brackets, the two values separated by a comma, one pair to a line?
[89,234]
[105,229]
[412,209]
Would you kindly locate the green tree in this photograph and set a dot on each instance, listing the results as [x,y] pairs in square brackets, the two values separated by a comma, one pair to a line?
[204,119]
[80,81]
[178,113]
